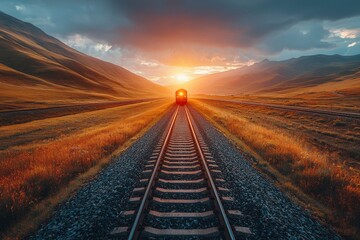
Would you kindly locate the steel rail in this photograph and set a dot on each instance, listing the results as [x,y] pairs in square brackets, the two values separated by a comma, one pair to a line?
[228,231]
[134,232]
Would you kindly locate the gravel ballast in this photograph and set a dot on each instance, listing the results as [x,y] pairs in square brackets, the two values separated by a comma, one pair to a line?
[94,210]
[266,210]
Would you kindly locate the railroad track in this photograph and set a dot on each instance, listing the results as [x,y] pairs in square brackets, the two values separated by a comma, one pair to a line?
[181,194]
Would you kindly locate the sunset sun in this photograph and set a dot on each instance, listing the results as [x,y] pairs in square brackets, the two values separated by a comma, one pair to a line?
[182,78]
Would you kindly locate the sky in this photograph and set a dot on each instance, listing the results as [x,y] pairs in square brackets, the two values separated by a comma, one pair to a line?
[172,41]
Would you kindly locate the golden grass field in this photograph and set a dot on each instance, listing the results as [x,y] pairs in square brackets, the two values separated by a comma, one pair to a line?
[41,157]
[324,100]
[315,157]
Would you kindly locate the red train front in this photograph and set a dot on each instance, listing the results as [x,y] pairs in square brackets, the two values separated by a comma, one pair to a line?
[181,96]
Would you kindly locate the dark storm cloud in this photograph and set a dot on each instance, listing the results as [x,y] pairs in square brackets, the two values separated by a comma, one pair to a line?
[225,23]
[191,32]
[66,17]
[152,24]
[303,36]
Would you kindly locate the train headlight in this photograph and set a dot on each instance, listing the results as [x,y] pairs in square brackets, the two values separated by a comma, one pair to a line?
[181,93]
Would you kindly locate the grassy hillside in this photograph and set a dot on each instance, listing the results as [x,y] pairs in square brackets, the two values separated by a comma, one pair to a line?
[309,74]
[37,68]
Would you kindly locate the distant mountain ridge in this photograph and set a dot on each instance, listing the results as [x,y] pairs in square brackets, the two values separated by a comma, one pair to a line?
[296,75]
[37,67]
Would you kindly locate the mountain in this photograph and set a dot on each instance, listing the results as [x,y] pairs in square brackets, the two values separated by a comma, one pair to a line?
[307,74]
[35,67]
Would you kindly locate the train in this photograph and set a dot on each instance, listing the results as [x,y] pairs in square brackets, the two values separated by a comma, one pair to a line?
[181,97]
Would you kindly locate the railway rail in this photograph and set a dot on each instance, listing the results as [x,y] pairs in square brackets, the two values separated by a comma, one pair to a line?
[181,194]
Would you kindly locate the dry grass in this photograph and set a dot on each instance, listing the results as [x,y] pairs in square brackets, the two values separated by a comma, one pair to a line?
[308,167]
[324,100]
[37,170]
[17,116]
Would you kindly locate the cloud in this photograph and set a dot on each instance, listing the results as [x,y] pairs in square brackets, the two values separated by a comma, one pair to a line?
[102,47]
[150,25]
[167,36]
[352,44]
[346,33]
[98,49]
[149,64]
[20,7]
[303,36]
[235,24]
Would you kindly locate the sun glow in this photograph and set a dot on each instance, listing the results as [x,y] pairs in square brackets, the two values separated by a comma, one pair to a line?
[182,78]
